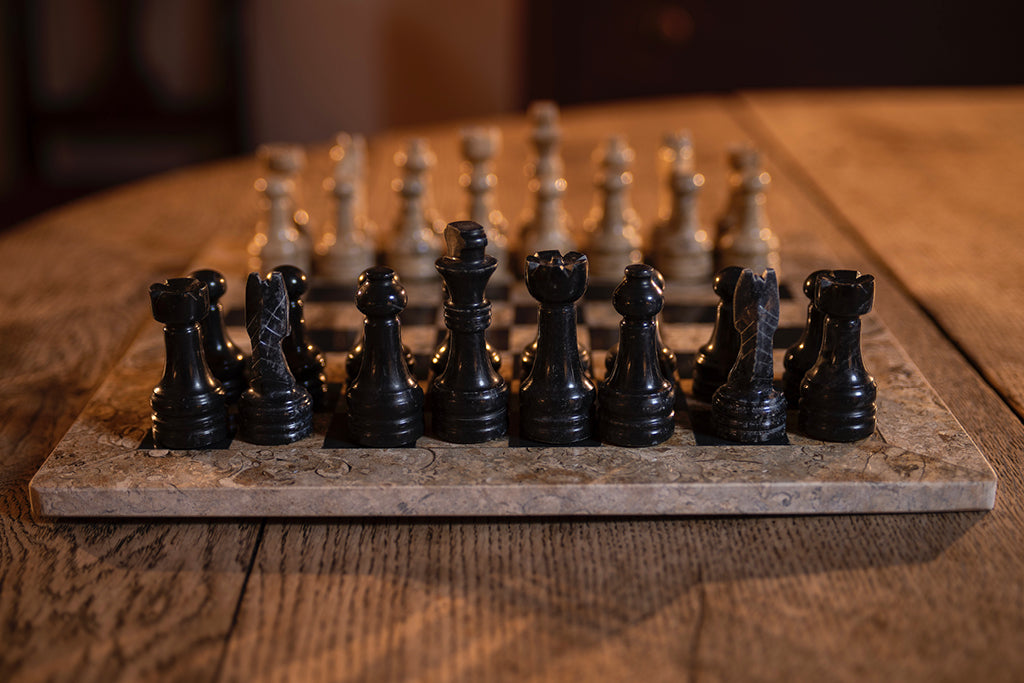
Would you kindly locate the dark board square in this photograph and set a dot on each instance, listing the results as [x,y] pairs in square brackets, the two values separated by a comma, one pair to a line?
[497,292]
[419,315]
[332,293]
[498,337]
[603,338]
[786,337]
[688,313]
[333,340]
[526,314]
[684,363]
[599,291]
[785,292]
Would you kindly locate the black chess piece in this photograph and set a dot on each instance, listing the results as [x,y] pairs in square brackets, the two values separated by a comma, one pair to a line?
[748,408]
[715,359]
[355,354]
[837,395]
[385,404]
[666,356]
[275,409]
[307,362]
[636,404]
[440,357]
[469,399]
[556,402]
[226,361]
[189,410]
[801,356]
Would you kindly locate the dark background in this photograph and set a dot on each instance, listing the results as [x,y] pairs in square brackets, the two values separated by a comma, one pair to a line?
[170,84]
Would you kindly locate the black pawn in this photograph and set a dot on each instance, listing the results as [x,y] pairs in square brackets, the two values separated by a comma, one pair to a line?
[556,402]
[274,410]
[802,355]
[440,357]
[226,361]
[837,395]
[666,356]
[469,399]
[748,408]
[715,359]
[307,362]
[188,404]
[355,354]
[385,404]
[636,404]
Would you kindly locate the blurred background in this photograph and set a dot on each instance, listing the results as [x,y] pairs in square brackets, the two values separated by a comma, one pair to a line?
[94,93]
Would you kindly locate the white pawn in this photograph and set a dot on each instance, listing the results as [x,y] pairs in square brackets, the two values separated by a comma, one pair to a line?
[683,250]
[287,161]
[414,243]
[277,240]
[613,226]
[348,249]
[676,148]
[744,160]
[751,243]
[546,223]
[479,147]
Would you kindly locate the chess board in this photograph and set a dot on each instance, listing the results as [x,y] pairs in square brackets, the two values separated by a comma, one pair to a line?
[919,458]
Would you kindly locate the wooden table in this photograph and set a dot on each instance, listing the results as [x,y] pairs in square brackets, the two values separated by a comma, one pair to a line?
[920,188]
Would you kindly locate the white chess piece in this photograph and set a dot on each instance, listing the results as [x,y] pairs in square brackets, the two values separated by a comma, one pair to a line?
[479,147]
[278,241]
[347,248]
[613,228]
[751,243]
[684,252]
[414,243]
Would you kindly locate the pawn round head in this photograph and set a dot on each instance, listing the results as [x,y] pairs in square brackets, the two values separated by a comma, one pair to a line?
[725,282]
[295,281]
[556,279]
[845,293]
[179,301]
[480,142]
[380,293]
[282,157]
[214,281]
[638,296]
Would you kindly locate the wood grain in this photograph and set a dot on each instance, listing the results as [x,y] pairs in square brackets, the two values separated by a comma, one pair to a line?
[103,602]
[916,597]
[931,183]
[909,597]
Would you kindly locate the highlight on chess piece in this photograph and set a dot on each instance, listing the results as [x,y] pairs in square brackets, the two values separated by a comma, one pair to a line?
[556,401]
[385,403]
[278,238]
[750,242]
[188,404]
[837,395]
[683,250]
[748,408]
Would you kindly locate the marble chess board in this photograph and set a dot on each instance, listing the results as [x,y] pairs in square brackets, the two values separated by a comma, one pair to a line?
[918,460]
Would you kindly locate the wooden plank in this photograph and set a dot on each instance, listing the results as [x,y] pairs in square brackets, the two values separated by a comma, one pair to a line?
[915,597]
[101,602]
[931,182]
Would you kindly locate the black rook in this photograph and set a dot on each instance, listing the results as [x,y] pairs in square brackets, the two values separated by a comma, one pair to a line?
[188,404]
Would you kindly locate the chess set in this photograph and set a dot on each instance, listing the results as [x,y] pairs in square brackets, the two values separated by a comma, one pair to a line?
[600,388]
